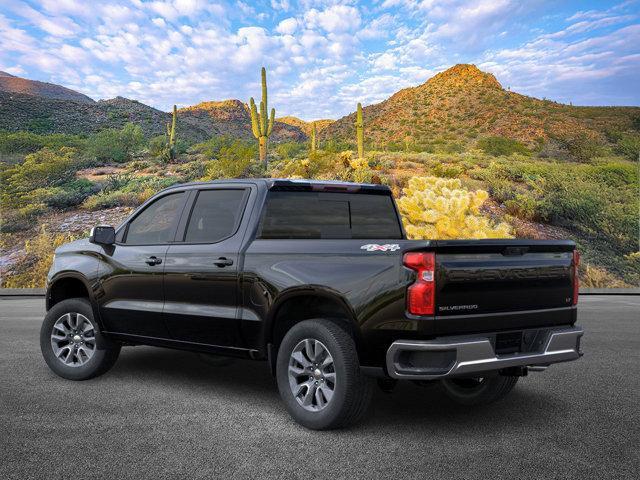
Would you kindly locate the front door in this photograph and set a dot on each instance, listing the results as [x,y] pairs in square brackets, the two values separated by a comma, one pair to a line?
[132,295]
[201,269]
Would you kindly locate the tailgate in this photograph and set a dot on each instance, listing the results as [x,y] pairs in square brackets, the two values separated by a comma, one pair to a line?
[484,277]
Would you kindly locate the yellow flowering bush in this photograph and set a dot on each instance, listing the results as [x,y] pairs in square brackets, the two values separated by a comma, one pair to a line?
[440,208]
[40,250]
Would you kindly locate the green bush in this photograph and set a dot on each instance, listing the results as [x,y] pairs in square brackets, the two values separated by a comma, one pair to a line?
[157,145]
[232,160]
[16,220]
[523,206]
[629,146]
[581,146]
[113,199]
[67,195]
[289,150]
[498,146]
[44,169]
[28,142]
[447,171]
[116,145]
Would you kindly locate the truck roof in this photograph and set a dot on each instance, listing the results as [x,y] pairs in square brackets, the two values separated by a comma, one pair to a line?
[300,185]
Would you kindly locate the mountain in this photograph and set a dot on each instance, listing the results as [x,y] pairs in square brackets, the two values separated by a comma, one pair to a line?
[463,103]
[19,111]
[232,118]
[48,108]
[16,85]
[305,126]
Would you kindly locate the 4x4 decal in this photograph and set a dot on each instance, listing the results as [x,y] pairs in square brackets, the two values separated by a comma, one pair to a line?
[375,247]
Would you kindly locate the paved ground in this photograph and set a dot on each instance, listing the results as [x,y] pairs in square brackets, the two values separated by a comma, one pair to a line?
[167,414]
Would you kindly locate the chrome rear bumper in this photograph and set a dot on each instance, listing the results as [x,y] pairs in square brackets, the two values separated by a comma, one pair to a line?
[467,355]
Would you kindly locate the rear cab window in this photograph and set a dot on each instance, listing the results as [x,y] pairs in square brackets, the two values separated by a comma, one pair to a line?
[215,215]
[328,215]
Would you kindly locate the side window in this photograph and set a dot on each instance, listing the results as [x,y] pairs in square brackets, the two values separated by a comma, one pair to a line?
[215,215]
[154,225]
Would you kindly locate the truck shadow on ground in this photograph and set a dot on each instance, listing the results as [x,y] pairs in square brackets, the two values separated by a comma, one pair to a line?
[249,382]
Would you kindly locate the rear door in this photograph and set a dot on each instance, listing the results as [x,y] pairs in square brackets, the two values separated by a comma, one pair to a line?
[131,297]
[201,269]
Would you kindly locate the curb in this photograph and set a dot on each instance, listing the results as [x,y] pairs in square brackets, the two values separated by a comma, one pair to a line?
[22,292]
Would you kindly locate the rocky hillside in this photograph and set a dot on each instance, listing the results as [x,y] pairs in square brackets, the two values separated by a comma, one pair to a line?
[46,108]
[12,84]
[464,103]
[305,126]
[20,111]
[232,118]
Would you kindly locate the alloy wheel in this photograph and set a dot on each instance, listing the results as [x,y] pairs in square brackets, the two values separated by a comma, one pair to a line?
[73,339]
[312,375]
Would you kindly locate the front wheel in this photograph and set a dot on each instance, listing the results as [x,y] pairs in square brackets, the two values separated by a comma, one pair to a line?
[319,377]
[71,343]
[478,390]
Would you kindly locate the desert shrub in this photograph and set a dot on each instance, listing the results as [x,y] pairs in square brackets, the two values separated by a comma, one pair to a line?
[67,195]
[40,125]
[498,146]
[39,256]
[596,200]
[114,199]
[523,206]
[594,277]
[23,218]
[232,160]
[336,146]
[320,164]
[212,147]
[116,145]
[438,208]
[629,146]
[28,142]
[45,168]
[446,170]
[289,150]
[188,172]
[582,146]
[157,145]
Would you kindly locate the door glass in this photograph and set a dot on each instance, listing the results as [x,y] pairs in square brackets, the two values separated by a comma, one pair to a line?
[156,222]
[215,215]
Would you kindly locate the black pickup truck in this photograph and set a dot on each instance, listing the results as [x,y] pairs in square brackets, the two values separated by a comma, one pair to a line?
[319,280]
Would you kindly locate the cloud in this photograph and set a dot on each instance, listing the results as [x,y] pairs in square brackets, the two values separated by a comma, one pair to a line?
[322,56]
[335,19]
[287,26]
[57,26]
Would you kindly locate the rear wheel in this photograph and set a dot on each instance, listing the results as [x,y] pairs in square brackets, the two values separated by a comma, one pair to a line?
[478,390]
[319,376]
[71,342]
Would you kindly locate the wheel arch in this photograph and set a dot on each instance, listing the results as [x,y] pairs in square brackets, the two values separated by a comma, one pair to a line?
[70,285]
[306,303]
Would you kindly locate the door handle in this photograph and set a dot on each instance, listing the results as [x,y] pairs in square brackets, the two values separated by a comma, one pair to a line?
[151,261]
[223,262]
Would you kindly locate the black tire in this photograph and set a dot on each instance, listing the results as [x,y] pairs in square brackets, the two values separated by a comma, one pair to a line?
[478,391]
[105,351]
[352,389]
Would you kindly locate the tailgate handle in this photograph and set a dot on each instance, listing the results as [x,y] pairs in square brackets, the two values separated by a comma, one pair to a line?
[512,251]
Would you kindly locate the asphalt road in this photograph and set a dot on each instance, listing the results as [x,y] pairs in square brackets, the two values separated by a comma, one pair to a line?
[167,414]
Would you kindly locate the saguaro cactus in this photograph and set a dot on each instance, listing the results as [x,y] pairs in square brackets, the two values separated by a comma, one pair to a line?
[314,137]
[360,132]
[171,135]
[260,124]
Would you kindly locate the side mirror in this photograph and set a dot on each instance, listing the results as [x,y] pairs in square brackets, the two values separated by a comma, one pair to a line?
[103,235]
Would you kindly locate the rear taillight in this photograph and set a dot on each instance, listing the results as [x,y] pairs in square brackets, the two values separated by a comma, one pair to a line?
[576,280]
[421,295]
